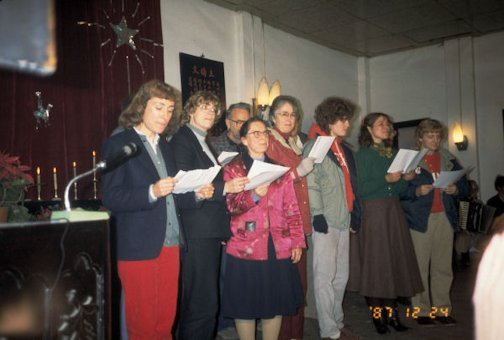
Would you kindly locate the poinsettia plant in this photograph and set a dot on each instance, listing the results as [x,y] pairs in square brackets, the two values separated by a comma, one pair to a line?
[14,180]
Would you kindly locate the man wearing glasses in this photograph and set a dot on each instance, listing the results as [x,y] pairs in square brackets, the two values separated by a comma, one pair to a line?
[229,140]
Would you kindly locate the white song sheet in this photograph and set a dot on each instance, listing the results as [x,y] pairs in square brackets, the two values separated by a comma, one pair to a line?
[320,147]
[446,178]
[262,172]
[194,179]
[225,157]
[406,160]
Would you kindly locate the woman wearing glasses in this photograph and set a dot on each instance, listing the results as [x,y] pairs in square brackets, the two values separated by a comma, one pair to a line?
[204,227]
[285,148]
[261,281]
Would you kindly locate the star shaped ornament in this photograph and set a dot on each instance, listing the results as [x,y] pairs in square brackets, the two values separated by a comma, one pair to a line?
[124,34]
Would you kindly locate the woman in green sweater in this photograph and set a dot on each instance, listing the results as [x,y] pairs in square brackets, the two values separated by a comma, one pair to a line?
[383,264]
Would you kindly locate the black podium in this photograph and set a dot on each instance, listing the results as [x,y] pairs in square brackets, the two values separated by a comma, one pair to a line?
[55,280]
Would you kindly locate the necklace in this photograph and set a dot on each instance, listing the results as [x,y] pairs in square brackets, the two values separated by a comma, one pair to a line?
[385,151]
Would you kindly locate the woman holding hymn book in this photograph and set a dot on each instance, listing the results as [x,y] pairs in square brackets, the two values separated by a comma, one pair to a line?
[431,212]
[285,148]
[261,279]
[383,266]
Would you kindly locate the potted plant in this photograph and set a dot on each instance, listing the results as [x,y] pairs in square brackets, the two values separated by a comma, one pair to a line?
[14,180]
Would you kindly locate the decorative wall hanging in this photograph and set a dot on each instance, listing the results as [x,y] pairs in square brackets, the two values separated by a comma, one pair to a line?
[200,74]
[126,34]
[41,114]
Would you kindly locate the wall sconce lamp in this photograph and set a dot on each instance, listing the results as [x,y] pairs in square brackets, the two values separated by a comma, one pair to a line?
[459,138]
[265,96]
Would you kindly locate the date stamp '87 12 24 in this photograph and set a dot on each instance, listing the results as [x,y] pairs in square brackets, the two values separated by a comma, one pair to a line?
[410,312]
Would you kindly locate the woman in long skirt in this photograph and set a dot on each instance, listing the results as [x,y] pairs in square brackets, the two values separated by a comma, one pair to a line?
[383,262]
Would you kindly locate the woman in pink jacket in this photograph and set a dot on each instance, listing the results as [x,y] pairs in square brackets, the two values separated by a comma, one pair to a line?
[261,280]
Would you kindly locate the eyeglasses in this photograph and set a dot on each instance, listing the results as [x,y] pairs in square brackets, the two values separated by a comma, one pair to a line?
[259,134]
[237,122]
[285,114]
[208,108]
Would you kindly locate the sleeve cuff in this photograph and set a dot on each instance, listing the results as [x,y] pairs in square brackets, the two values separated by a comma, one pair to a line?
[152,198]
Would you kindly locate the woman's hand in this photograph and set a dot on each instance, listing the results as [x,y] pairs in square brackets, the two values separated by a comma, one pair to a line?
[393,177]
[235,185]
[409,175]
[262,190]
[205,192]
[423,190]
[296,254]
[305,166]
[451,189]
[163,187]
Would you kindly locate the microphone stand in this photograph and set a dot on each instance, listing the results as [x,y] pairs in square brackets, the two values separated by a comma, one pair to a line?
[101,165]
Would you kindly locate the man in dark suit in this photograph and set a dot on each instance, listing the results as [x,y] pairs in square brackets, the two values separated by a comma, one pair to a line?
[205,226]
[138,194]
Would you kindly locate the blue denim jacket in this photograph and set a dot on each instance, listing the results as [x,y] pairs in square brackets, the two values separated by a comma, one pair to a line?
[417,209]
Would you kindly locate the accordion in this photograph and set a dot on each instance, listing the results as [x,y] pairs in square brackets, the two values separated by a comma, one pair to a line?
[475,217]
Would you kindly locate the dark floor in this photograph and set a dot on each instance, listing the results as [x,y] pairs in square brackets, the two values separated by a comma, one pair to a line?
[357,316]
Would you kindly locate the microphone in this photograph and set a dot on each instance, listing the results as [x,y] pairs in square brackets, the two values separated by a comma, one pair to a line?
[117,158]
[111,162]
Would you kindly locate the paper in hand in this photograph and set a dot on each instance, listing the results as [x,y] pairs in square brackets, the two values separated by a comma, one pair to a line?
[406,160]
[446,178]
[225,157]
[262,172]
[321,147]
[194,179]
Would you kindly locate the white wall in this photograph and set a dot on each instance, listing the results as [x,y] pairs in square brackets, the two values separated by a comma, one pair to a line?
[250,50]
[196,27]
[459,81]
[309,71]
[409,85]
[489,76]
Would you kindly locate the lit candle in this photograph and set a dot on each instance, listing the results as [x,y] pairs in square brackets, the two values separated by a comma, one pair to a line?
[95,187]
[74,165]
[55,178]
[94,166]
[39,185]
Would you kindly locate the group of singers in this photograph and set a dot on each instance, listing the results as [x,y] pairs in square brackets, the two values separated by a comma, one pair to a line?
[381,234]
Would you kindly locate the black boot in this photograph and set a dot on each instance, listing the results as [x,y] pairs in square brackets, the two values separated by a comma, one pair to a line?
[378,314]
[395,322]
[380,322]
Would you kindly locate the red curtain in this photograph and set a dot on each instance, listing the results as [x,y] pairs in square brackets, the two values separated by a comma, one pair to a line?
[93,77]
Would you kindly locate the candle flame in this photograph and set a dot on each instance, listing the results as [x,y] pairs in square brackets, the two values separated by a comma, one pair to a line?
[54,170]
[94,153]
[38,170]
[74,164]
